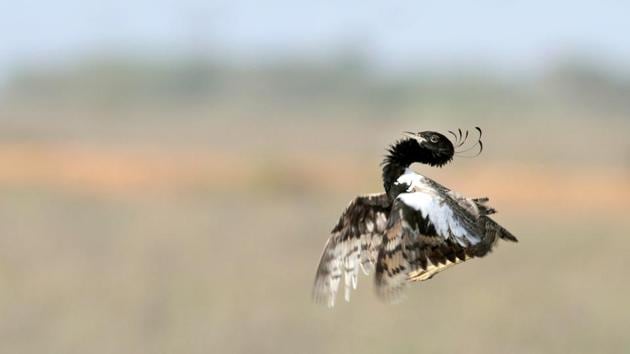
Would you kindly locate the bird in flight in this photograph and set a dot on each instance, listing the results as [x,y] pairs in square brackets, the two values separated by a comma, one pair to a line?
[414,230]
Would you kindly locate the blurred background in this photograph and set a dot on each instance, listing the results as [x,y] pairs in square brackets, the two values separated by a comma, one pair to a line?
[170,171]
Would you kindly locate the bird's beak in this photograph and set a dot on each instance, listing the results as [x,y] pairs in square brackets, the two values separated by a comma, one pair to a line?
[414,136]
[410,134]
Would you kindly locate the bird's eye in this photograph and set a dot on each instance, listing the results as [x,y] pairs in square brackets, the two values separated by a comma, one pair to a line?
[434,138]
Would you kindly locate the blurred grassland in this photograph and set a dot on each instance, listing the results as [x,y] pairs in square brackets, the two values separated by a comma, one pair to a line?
[181,207]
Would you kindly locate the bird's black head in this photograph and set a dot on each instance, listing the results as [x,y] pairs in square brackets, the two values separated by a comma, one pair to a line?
[427,147]
[435,148]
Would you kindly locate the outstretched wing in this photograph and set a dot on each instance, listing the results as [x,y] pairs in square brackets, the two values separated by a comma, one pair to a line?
[430,229]
[354,244]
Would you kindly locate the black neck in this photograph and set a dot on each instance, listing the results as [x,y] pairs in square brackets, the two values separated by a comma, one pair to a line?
[400,156]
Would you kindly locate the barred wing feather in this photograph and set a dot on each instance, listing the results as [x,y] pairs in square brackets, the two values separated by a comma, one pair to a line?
[354,244]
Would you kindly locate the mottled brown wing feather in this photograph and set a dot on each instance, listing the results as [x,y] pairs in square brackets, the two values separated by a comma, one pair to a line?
[392,265]
[450,253]
[354,244]
[413,250]
[411,245]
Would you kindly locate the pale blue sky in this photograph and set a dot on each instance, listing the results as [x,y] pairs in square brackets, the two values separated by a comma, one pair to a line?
[507,35]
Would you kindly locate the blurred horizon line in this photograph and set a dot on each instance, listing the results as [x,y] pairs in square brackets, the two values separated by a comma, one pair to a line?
[197,75]
[350,59]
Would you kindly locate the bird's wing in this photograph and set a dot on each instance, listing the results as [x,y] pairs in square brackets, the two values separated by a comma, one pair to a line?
[430,229]
[354,244]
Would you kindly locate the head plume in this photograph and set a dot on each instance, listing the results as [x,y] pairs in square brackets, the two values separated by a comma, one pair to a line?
[461,148]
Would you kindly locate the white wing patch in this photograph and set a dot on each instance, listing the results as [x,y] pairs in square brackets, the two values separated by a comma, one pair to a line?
[432,206]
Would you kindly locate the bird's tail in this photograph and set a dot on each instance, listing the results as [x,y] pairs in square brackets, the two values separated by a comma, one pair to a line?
[493,232]
[499,231]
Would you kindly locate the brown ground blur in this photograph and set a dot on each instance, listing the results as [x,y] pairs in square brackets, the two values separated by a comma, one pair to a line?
[195,227]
